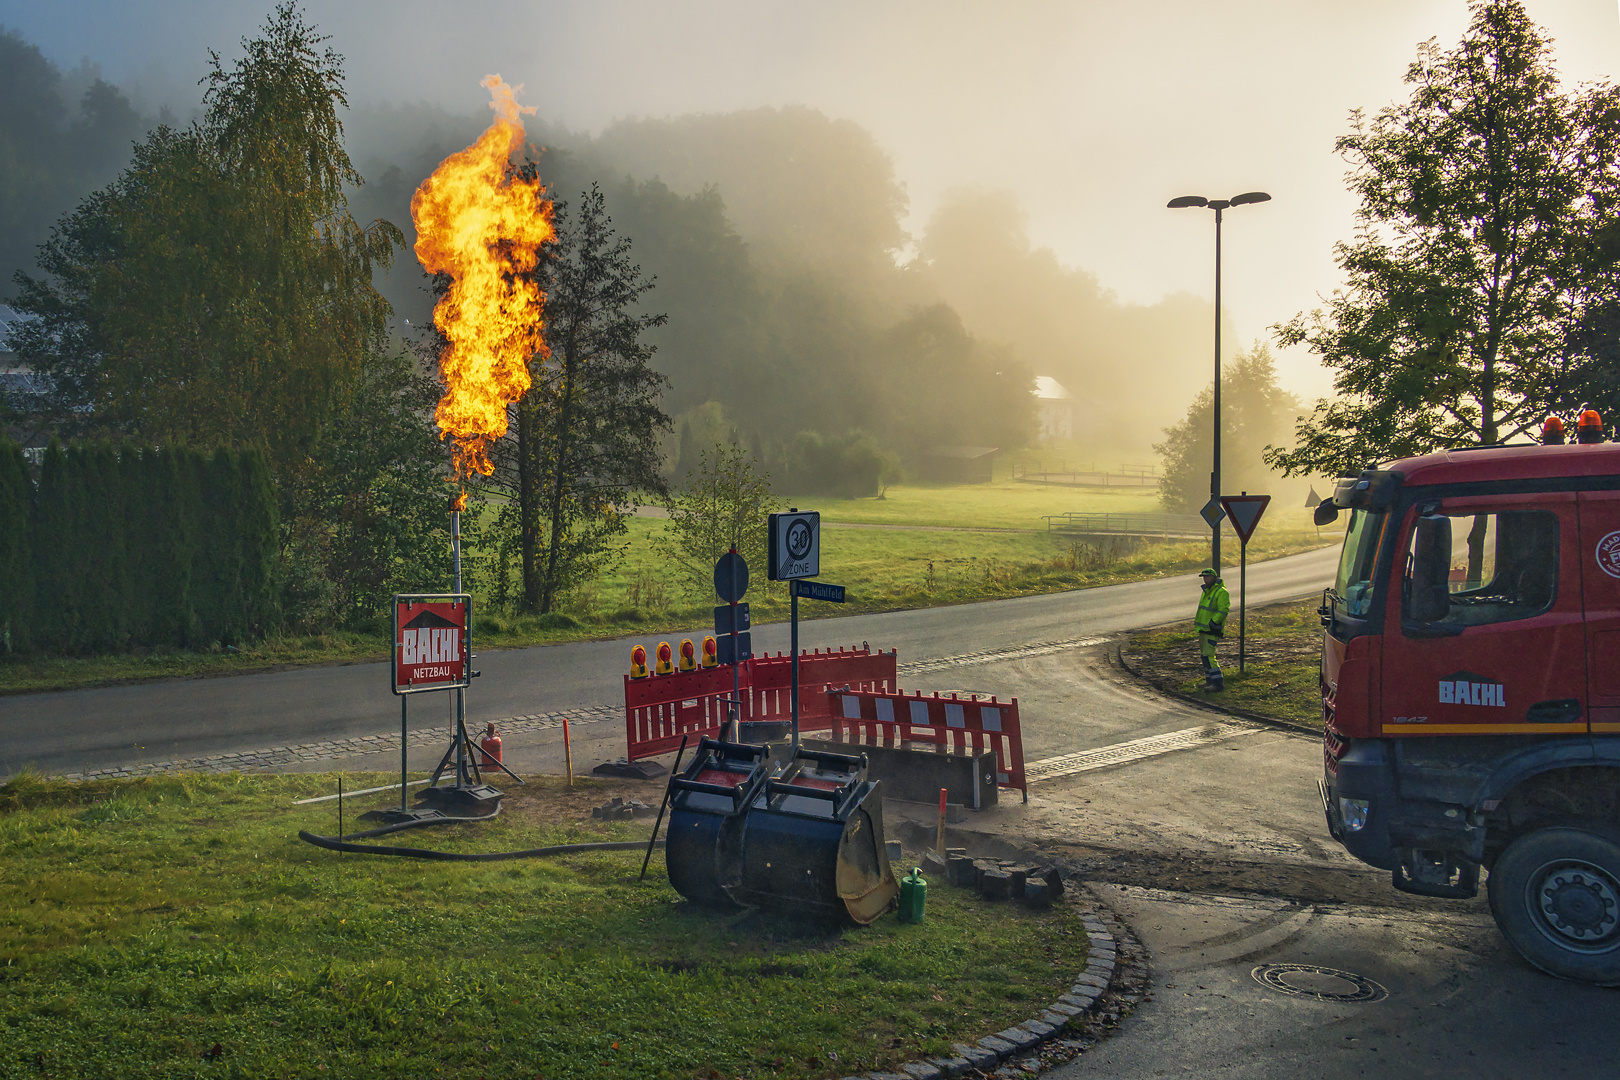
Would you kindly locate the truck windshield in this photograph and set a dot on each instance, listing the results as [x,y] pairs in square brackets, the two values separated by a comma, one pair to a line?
[1353,586]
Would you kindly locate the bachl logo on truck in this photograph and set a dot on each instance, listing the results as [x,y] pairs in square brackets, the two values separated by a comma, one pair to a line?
[1466,688]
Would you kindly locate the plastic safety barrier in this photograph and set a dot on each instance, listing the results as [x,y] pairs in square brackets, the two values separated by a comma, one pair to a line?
[972,724]
[659,709]
[770,695]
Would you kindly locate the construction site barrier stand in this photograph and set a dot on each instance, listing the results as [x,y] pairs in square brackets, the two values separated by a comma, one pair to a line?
[953,724]
[660,709]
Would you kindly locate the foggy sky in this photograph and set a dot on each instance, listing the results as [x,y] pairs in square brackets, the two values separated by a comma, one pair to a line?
[1095,113]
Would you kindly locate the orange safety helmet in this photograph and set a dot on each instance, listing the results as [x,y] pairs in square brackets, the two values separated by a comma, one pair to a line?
[1589,429]
[1552,432]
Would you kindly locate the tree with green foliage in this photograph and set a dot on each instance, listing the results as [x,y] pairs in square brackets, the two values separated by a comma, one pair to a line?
[1486,232]
[723,504]
[585,448]
[218,292]
[1255,413]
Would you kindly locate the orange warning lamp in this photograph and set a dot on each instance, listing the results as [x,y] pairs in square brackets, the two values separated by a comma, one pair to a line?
[1552,432]
[688,656]
[638,662]
[711,652]
[1589,429]
[665,664]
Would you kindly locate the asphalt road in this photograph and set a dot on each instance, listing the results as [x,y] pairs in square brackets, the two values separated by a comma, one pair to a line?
[77,730]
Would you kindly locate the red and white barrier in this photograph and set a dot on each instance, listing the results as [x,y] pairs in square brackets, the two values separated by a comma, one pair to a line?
[972,724]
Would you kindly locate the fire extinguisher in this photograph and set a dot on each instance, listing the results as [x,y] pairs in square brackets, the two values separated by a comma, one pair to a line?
[490,744]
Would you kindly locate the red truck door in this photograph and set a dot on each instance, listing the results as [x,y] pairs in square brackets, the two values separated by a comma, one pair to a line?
[1600,575]
[1502,650]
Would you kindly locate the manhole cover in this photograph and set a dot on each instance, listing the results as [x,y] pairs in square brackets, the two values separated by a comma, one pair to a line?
[1321,983]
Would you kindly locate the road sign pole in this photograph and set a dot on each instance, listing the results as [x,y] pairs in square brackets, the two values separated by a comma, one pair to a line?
[1243,601]
[403,698]
[793,617]
[736,717]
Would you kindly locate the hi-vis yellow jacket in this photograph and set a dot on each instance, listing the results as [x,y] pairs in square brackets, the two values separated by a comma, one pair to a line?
[1213,604]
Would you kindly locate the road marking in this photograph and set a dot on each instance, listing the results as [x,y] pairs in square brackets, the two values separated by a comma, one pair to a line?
[994,656]
[1104,757]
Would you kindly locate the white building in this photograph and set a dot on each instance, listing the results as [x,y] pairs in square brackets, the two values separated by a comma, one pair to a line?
[1056,407]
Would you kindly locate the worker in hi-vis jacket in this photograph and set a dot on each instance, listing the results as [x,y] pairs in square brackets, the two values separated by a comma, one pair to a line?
[1213,604]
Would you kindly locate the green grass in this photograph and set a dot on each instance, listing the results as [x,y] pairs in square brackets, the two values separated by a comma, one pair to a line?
[1286,686]
[144,922]
[1005,504]
[884,569]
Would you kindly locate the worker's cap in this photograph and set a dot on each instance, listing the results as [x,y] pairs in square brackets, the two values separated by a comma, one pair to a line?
[1207,571]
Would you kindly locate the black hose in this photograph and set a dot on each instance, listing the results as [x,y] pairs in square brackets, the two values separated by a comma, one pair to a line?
[401,826]
[333,843]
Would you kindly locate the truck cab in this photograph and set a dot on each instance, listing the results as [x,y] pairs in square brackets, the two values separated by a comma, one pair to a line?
[1471,689]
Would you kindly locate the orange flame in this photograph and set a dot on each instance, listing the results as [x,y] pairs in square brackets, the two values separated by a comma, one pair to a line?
[484,228]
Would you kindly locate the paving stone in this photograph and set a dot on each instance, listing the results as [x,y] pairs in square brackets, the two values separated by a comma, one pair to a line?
[881,1075]
[951,1066]
[1024,1040]
[922,1070]
[978,1056]
[1030,1066]
[1085,978]
[998,1046]
[1079,1001]
[1066,1010]
[1039,1028]
[1057,1020]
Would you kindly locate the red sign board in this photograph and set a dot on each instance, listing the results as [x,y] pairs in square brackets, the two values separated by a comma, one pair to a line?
[432,648]
[1244,511]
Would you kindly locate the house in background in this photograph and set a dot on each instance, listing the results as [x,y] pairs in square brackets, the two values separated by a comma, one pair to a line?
[1056,409]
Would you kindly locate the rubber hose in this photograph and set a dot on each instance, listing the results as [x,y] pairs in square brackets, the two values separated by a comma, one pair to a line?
[401,826]
[332,843]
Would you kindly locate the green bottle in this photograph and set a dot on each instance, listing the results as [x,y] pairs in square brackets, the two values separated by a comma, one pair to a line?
[913,896]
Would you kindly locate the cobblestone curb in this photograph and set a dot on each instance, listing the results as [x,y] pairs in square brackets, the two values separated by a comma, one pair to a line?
[331,749]
[1114,981]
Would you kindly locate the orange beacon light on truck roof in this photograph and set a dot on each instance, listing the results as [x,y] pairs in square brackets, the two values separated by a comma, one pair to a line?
[1589,429]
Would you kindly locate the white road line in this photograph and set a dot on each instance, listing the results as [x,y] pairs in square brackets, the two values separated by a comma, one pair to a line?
[995,656]
[1104,757]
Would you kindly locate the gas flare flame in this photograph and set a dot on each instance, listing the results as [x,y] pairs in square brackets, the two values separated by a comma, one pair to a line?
[484,227]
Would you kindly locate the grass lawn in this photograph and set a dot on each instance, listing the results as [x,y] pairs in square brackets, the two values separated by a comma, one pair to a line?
[1281,678]
[887,569]
[143,923]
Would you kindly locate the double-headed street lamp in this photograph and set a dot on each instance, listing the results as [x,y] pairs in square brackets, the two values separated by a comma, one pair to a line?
[1213,507]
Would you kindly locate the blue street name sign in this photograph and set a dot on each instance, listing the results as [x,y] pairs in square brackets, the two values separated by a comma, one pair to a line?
[819,590]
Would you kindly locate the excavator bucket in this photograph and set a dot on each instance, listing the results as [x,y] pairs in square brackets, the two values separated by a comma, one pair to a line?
[812,842]
[707,804]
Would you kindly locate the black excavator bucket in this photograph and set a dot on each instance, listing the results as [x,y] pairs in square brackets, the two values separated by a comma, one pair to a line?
[812,842]
[707,804]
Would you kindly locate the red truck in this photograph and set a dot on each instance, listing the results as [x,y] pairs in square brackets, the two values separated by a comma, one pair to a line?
[1471,689]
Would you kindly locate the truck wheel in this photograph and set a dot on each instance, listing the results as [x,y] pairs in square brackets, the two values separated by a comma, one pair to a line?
[1555,894]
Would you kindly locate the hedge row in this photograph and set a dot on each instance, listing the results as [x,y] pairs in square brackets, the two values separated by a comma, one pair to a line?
[116,546]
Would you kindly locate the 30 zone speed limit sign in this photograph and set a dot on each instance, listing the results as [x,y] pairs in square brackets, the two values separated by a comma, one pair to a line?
[795,544]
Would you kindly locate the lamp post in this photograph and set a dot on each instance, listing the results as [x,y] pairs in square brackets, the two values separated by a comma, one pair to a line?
[1217,205]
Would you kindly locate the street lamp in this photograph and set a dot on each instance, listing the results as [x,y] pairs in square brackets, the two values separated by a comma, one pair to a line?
[1217,205]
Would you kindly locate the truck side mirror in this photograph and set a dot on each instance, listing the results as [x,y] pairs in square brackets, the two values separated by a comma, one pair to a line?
[1431,568]
[1325,513]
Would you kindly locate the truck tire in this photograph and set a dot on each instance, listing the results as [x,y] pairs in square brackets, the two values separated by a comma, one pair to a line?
[1555,895]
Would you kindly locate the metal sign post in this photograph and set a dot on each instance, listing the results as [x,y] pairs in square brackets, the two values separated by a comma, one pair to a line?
[794,541]
[730,583]
[1244,511]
